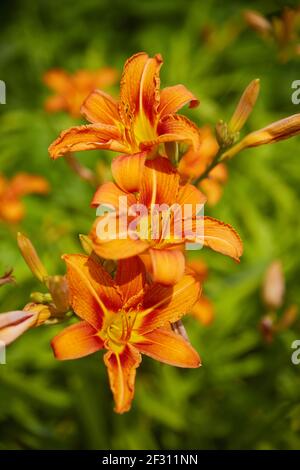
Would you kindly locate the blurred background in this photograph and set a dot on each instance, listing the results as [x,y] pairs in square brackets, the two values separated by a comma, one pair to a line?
[246,395]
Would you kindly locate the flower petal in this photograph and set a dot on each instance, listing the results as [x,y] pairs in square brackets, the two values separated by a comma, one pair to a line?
[12,210]
[109,194]
[24,183]
[222,238]
[90,137]
[118,249]
[55,103]
[167,266]
[76,341]
[121,372]
[130,277]
[100,107]
[203,310]
[213,190]
[189,194]
[58,80]
[167,304]
[140,87]
[159,183]
[174,98]
[127,170]
[92,290]
[169,348]
[194,162]
[175,128]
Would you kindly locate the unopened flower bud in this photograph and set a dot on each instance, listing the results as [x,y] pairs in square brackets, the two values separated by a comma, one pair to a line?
[31,257]
[276,131]
[244,107]
[58,287]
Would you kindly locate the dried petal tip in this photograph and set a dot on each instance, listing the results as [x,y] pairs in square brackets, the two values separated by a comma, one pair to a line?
[31,257]
[7,278]
[245,106]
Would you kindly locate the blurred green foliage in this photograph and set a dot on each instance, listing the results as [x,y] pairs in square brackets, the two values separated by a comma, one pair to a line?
[246,395]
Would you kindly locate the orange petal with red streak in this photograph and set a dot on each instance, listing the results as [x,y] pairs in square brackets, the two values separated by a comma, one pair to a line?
[174,98]
[170,348]
[92,290]
[222,238]
[76,341]
[140,87]
[100,107]
[130,277]
[127,171]
[109,194]
[164,304]
[167,266]
[90,137]
[121,373]
[175,128]
[159,183]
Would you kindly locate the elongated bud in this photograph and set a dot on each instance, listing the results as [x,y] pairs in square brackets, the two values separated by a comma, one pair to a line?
[274,286]
[279,130]
[244,107]
[31,257]
[59,290]
[86,244]
[257,22]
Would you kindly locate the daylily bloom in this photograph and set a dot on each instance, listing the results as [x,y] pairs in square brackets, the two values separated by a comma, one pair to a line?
[127,317]
[11,207]
[14,324]
[194,163]
[160,245]
[142,118]
[72,89]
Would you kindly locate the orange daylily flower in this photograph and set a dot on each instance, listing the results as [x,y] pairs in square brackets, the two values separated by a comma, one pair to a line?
[159,183]
[71,90]
[143,118]
[194,163]
[11,207]
[127,317]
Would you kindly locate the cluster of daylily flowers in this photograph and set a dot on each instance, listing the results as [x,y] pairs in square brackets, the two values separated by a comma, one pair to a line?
[130,292]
